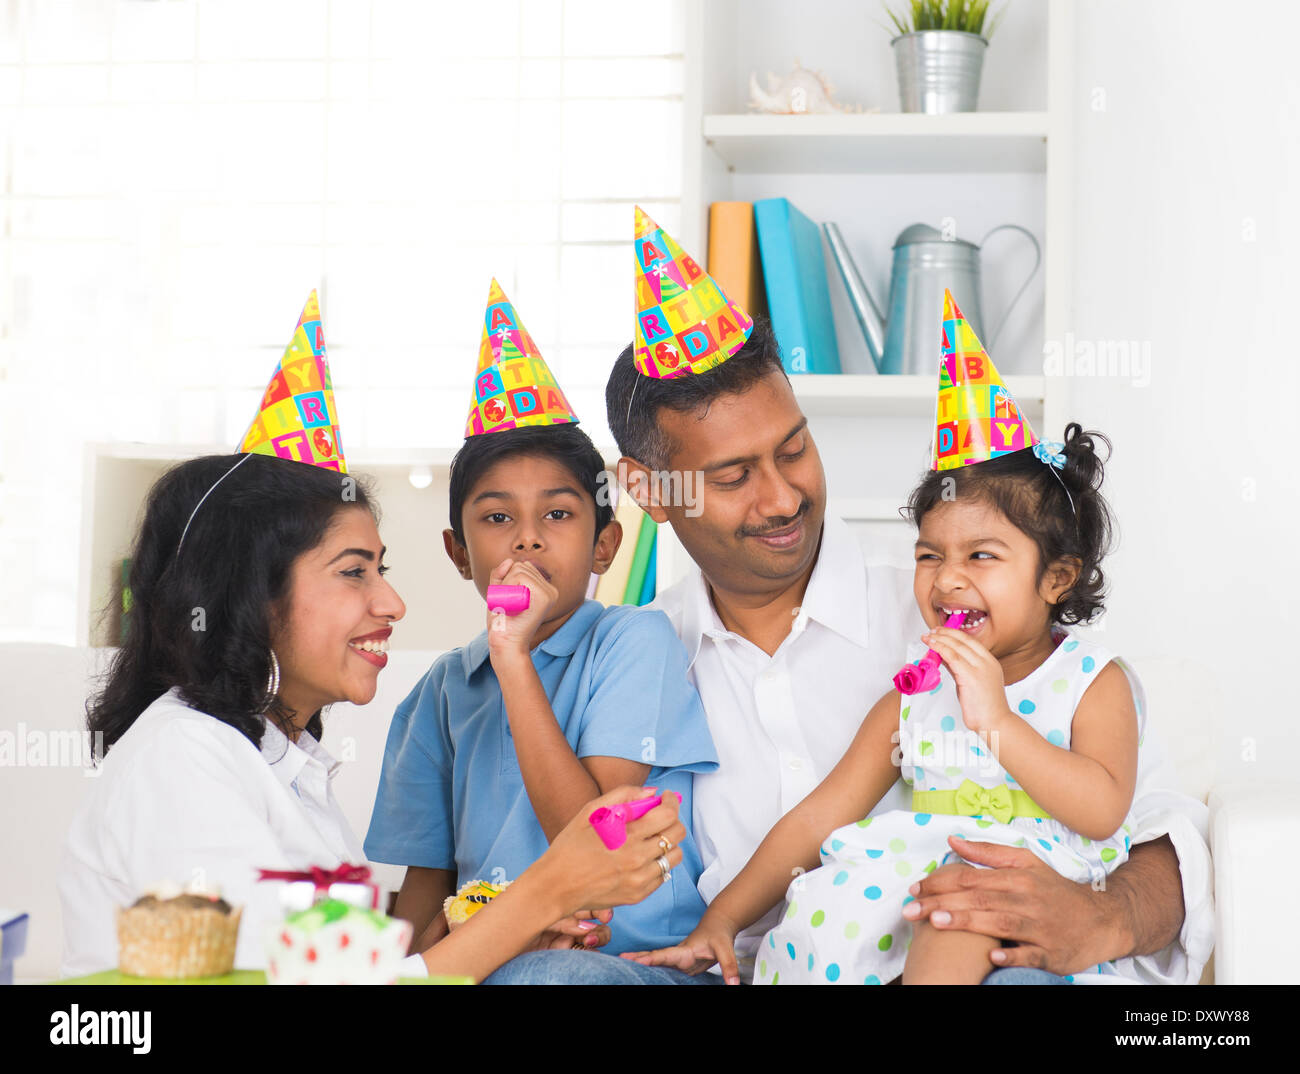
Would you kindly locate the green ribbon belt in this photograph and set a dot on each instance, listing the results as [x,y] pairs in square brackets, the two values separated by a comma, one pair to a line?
[971,800]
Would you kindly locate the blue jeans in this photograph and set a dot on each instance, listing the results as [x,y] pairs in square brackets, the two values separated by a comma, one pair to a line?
[589,968]
[598,968]
[1023,975]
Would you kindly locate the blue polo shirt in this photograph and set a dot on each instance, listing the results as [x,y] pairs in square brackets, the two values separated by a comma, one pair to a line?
[451,795]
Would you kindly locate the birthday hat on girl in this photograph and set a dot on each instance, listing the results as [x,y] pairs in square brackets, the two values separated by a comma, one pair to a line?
[297,418]
[976,418]
[684,323]
[514,385]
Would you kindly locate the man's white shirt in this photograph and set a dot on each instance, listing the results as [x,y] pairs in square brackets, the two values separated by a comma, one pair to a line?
[781,723]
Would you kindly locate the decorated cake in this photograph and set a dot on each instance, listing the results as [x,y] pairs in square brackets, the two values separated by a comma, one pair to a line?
[335,942]
[469,900]
[173,934]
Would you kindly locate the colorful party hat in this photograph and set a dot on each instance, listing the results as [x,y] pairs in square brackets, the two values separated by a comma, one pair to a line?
[684,323]
[514,386]
[297,419]
[976,418]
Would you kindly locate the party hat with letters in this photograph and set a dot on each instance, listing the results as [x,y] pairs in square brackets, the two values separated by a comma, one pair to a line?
[514,385]
[976,418]
[684,323]
[297,419]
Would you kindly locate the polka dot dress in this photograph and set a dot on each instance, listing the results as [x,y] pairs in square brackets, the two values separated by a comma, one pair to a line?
[843,922]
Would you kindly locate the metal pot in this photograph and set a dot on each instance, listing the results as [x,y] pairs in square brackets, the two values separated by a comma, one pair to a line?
[939,70]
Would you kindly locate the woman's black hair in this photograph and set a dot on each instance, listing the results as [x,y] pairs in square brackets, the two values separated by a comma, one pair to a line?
[1026,491]
[565,443]
[202,619]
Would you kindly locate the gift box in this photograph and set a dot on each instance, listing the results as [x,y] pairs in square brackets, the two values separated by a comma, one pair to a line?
[13,942]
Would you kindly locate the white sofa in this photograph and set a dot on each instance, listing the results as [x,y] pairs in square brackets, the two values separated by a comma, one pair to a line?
[45,690]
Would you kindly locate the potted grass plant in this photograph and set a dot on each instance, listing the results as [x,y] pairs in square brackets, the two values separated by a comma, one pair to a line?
[939,52]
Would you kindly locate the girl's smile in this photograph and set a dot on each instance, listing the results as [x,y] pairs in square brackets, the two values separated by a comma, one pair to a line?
[970,558]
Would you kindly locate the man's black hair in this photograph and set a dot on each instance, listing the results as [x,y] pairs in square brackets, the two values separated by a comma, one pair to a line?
[566,444]
[633,401]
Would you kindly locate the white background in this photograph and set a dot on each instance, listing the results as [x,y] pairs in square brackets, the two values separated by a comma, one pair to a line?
[176,176]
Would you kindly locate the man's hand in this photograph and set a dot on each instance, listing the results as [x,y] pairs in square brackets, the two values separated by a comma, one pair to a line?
[1058,925]
[712,942]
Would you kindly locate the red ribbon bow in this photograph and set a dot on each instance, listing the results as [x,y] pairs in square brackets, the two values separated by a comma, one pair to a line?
[323,878]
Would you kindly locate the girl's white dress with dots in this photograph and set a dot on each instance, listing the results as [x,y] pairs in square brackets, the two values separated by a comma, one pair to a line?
[843,922]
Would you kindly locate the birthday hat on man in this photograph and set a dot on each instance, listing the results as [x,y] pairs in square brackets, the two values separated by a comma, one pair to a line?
[684,322]
[297,418]
[976,418]
[514,386]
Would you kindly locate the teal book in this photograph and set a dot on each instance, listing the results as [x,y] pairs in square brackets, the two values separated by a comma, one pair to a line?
[640,560]
[648,586]
[798,292]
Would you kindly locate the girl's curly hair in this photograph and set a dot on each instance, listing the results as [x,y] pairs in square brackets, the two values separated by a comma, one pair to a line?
[1026,491]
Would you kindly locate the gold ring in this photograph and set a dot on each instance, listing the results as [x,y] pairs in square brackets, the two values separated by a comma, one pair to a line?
[664,867]
[665,844]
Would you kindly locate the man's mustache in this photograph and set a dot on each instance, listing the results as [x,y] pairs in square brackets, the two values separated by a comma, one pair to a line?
[777,523]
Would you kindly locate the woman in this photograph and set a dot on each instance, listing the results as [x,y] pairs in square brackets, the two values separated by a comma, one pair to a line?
[251,613]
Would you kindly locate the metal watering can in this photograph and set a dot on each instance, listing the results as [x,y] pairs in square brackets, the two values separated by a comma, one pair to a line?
[924,264]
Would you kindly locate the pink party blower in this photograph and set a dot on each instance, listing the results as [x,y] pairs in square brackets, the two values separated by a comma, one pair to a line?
[510,599]
[924,674]
[611,822]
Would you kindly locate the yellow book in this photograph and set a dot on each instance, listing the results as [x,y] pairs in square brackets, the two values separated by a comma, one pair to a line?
[734,260]
[613,583]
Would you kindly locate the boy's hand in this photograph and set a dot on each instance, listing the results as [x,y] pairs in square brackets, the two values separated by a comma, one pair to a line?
[713,941]
[981,690]
[513,634]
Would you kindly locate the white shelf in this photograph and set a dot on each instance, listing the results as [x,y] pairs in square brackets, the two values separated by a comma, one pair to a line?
[855,395]
[884,143]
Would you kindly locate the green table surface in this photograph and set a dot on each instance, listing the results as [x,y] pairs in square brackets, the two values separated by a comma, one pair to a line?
[237,977]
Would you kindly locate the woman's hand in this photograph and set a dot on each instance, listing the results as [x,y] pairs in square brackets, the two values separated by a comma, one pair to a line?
[981,690]
[586,928]
[713,941]
[513,634]
[585,873]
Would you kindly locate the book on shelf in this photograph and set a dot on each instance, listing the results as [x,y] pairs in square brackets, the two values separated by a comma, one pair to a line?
[649,587]
[645,543]
[613,583]
[798,293]
[734,263]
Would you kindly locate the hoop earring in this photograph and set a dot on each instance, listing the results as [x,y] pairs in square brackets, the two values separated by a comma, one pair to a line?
[272,682]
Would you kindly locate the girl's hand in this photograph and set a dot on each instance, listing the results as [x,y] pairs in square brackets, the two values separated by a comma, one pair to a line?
[981,690]
[713,941]
[512,635]
[582,872]
[586,928]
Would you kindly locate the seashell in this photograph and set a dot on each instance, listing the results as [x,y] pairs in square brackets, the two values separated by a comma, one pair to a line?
[800,92]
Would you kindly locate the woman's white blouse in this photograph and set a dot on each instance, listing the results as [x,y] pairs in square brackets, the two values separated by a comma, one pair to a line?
[186,799]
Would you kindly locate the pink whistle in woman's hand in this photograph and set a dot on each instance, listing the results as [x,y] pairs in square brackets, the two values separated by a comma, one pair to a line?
[611,822]
[924,674]
[510,599]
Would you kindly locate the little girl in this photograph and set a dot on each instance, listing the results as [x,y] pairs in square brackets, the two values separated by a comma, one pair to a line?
[1029,740]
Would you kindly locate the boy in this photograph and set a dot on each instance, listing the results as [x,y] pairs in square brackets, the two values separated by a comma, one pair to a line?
[504,740]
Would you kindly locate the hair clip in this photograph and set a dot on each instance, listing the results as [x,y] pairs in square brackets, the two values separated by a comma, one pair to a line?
[1051,453]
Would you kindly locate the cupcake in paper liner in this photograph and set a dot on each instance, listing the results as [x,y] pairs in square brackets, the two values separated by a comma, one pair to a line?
[177,934]
[335,942]
[469,900]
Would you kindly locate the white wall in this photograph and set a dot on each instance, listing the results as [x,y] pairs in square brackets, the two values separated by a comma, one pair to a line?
[1187,118]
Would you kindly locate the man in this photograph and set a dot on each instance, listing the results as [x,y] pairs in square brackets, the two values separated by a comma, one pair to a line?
[791,638]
